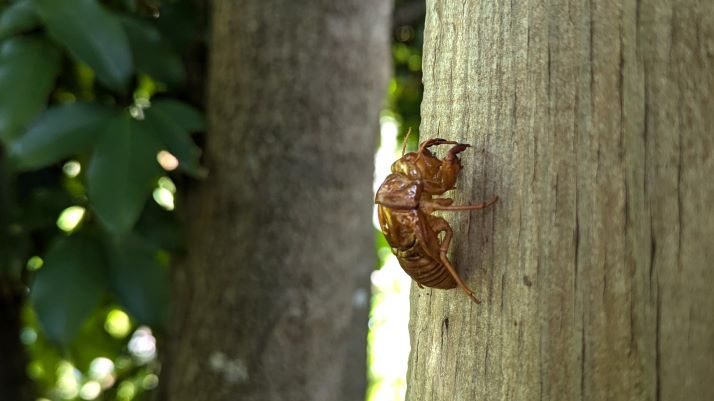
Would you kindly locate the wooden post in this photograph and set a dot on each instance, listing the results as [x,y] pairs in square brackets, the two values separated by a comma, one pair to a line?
[594,122]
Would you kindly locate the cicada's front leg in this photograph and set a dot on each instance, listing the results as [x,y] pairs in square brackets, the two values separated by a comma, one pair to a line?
[444,178]
[434,142]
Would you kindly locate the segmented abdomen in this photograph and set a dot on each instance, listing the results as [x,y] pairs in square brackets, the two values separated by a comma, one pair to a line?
[399,228]
[424,269]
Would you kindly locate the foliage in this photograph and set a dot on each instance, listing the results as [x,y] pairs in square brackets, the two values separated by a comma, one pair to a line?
[94,126]
[92,94]
[405,89]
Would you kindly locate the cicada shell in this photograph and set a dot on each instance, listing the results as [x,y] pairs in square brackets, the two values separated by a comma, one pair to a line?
[405,203]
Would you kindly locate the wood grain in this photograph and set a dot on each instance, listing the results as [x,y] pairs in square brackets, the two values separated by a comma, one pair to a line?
[593,122]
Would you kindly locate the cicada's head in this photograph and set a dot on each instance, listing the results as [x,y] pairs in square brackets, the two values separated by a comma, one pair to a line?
[399,192]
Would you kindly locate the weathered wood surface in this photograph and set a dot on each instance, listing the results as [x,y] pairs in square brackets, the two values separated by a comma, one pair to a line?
[273,299]
[596,268]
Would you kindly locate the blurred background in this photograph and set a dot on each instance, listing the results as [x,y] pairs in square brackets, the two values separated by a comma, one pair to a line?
[96,334]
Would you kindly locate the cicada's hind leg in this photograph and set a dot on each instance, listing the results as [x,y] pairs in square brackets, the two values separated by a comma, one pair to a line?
[438,225]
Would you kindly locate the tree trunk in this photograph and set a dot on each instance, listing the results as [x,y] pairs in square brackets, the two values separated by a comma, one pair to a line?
[14,383]
[596,266]
[273,297]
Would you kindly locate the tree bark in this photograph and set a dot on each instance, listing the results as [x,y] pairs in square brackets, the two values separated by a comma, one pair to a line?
[273,298]
[595,267]
[14,382]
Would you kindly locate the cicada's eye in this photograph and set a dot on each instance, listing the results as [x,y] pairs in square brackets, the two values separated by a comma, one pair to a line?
[407,166]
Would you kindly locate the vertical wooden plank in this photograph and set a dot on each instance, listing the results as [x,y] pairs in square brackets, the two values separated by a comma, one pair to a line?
[592,120]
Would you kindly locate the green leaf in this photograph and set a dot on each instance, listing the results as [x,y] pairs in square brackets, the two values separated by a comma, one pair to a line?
[92,35]
[68,286]
[139,281]
[41,206]
[93,341]
[130,5]
[60,132]
[122,172]
[28,68]
[152,55]
[160,228]
[183,115]
[174,121]
[17,18]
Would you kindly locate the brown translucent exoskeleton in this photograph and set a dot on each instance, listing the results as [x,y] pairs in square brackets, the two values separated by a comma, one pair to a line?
[405,203]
